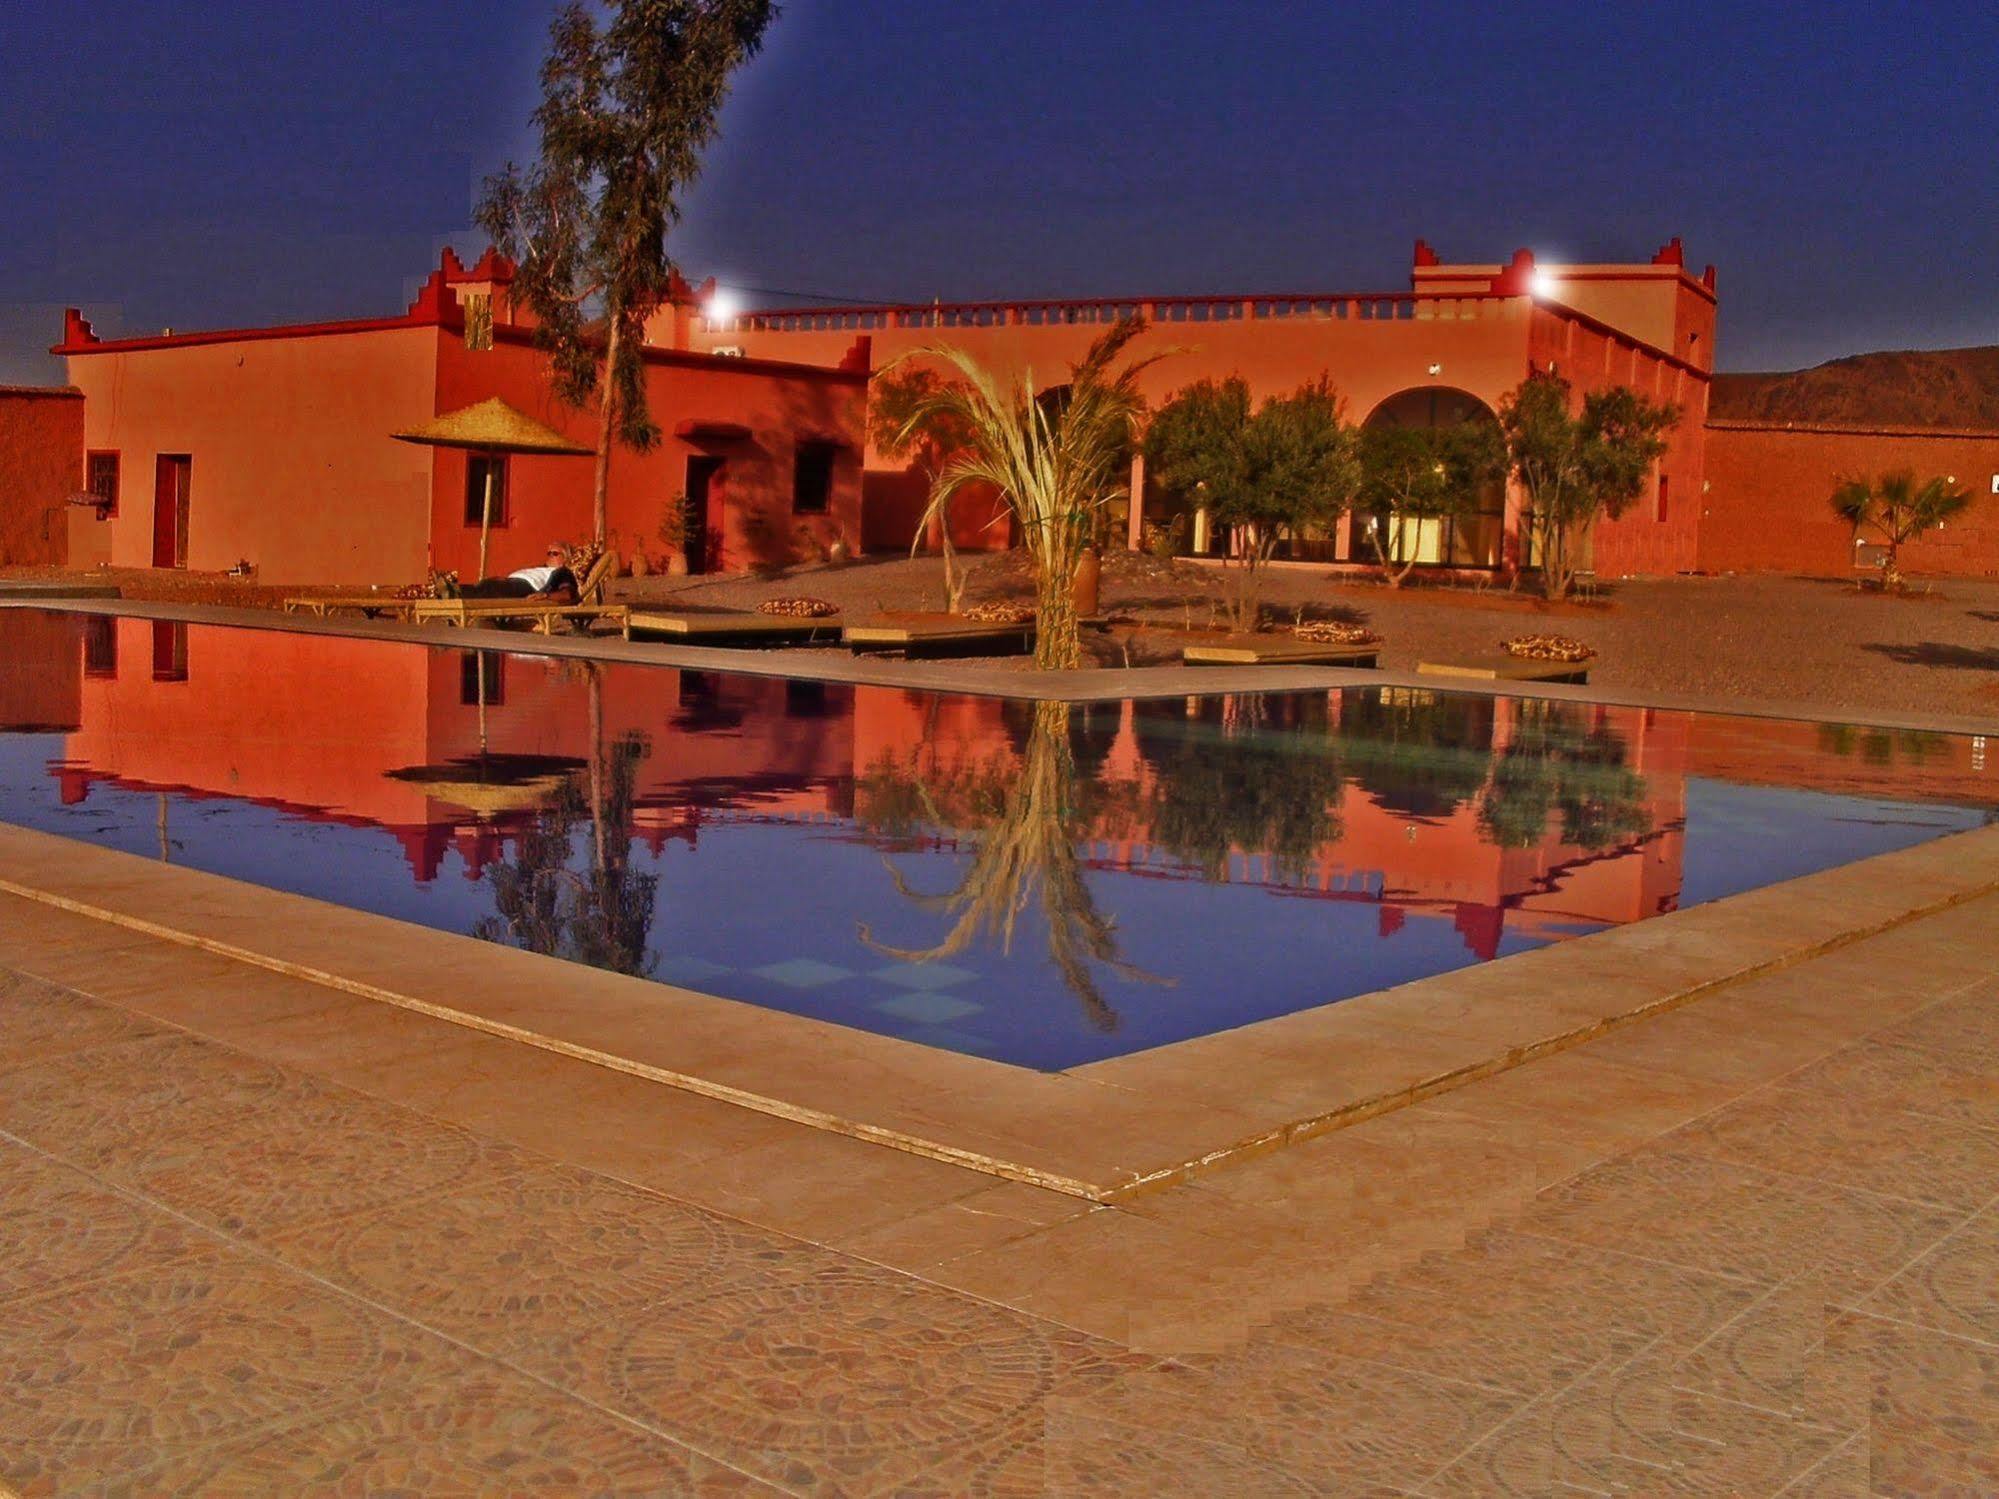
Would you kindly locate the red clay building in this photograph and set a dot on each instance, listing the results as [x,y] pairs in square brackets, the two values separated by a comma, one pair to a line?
[41,444]
[1450,347]
[272,445]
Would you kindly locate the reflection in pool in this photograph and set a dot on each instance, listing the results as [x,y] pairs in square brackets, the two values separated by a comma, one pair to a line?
[1045,884]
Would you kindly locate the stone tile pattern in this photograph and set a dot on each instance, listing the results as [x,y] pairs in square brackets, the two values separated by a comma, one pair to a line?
[223,1276]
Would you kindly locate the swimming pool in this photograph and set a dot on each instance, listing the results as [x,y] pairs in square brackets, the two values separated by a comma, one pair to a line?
[1042,884]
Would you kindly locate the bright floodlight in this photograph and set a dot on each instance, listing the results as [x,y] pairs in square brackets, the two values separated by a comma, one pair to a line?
[1544,284]
[721,306]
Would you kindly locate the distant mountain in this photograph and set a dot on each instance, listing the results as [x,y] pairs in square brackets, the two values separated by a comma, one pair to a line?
[1911,388]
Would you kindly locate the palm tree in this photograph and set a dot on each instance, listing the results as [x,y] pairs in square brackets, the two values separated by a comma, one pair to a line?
[1900,509]
[1057,462]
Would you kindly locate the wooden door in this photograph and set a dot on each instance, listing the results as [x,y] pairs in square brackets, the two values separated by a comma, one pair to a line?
[172,473]
[703,541]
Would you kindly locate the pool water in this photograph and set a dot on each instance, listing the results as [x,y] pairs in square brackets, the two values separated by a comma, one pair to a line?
[1042,884]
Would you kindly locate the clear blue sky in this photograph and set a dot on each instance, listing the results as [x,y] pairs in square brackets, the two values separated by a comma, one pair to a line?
[236,162]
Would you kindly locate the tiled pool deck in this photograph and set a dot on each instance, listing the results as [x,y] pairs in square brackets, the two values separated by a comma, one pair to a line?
[261,1236]
[297,1200]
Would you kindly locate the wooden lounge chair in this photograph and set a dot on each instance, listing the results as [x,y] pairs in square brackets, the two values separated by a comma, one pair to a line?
[368,605]
[1278,650]
[731,627]
[540,615]
[940,637]
[1507,669]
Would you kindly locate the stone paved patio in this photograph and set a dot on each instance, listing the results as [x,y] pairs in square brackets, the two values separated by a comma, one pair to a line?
[249,1247]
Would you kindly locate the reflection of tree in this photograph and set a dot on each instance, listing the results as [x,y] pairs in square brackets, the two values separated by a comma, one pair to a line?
[1563,762]
[1418,753]
[1030,817]
[601,914]
[1260,774]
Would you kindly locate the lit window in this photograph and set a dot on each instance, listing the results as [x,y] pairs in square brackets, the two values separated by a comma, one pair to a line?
[101,479]
[812,478]
[477,468]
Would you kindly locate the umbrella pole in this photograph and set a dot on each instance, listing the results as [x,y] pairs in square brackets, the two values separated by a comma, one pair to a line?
[486,514]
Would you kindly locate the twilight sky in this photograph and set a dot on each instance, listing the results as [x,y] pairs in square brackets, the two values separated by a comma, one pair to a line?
[243,162]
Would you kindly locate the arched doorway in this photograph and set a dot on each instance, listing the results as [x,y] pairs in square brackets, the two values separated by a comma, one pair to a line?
[1473,540]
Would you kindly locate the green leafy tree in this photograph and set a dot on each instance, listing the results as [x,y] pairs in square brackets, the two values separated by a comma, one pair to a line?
[1899,510]
[1266,472]
[908,423]
[629,97]
[1577,465]
[1414,474]
[1057,464]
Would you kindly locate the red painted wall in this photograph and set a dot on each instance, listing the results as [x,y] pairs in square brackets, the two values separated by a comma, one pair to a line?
[41,465]
[1767,506]
[292,465]
[551,496]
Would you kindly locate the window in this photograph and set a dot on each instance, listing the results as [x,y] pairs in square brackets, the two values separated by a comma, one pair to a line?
[1664,484]
[100,646]
[812,478]
[482,679]
[477,467]
[100,477]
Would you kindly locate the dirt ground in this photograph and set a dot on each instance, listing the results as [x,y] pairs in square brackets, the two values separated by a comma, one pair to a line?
[1821,642]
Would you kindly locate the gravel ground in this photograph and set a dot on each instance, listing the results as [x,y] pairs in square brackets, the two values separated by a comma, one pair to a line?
[1821,642]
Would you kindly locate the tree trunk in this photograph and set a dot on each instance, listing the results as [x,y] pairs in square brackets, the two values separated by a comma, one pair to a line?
[606,432]
[1058,646]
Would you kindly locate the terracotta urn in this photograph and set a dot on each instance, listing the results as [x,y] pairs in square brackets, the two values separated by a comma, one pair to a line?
[676,564]
[838,554]
[1084,586]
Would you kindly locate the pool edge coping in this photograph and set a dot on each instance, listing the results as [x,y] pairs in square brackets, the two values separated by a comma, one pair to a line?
[783,1054]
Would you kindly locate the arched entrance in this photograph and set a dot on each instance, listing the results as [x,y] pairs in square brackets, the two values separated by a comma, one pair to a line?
[1473,540]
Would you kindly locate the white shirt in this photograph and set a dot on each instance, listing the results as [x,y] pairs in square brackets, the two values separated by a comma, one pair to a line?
[536,577]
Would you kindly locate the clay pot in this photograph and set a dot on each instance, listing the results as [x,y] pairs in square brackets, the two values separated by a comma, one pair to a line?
[676,564]
[641,565]
[1085,585]
[838,554]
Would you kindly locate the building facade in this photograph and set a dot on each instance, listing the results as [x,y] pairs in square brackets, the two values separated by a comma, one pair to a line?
[272,447]
[1449,347]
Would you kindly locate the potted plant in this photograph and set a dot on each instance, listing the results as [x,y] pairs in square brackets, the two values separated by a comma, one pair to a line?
[673,532]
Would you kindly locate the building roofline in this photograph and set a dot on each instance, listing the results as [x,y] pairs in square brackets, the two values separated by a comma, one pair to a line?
[42,392]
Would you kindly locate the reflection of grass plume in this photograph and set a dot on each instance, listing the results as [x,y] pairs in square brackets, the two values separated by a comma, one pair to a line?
[1029,846]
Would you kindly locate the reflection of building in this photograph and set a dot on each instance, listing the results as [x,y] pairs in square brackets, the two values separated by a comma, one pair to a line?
[1404,844]
[1500,817]
[41,674]
[315,725]
[272,445]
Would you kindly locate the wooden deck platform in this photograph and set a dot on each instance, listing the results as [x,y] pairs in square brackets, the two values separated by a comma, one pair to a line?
[1278,650]
[1507,669]
[730,627]
[939,637]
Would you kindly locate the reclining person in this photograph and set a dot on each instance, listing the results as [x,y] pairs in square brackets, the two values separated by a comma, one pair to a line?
[553,584]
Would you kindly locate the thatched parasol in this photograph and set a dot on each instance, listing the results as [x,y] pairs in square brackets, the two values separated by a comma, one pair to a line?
[491,427]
